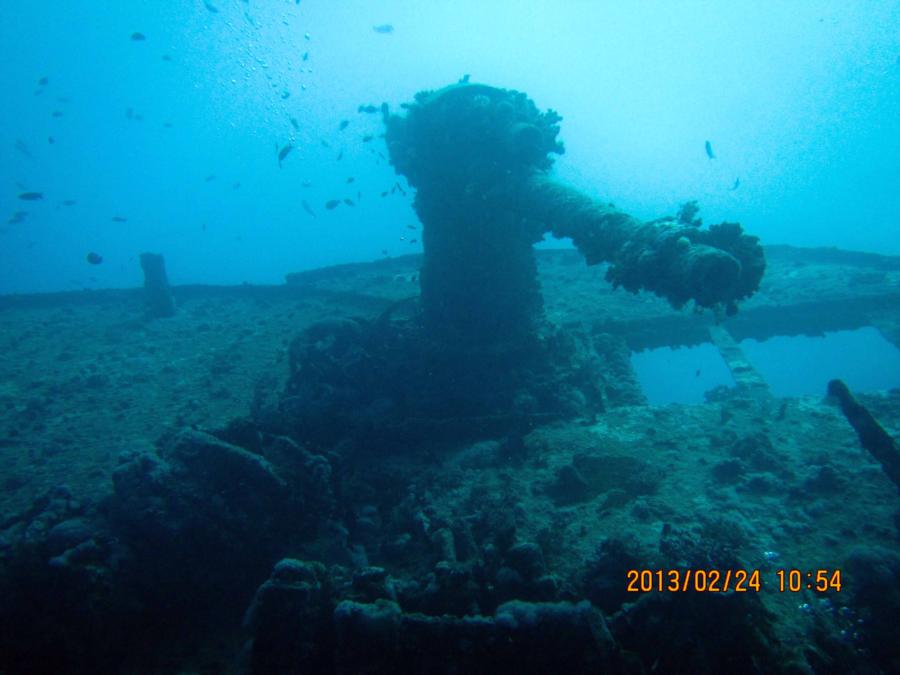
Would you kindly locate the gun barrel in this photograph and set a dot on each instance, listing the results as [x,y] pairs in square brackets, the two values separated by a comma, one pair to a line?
[675,260]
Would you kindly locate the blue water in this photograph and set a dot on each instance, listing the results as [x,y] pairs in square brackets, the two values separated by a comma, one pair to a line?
[680,375]
[798,365]
[798,101]
[801,365]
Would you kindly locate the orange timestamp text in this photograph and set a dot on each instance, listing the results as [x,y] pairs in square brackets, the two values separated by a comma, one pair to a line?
[738,580]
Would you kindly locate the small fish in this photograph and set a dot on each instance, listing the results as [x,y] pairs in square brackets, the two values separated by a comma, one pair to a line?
[737,184]
[119,219]
[166,57]
[236,185]
[306,183]
[343,124]
[17,217]
[285,95]
[306,36]
[138,37]
[413,241]
[57,113]
[51,140]
[94,258]
[410,227]
[307,208]
[332,203]
[305,55]
[367,109]
[68,202]
[709,150]
[212,8]
[209,178]
[325,144]
[384,29]
[384,251]
[284,152]
[350,180]
[43,81]
[31,196]
[295,124]
[340,155]
[167,125]
[385,193]
[22,147]
[349,202]
[367,138]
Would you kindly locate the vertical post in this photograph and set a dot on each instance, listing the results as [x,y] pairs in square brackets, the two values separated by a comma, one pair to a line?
[157,292]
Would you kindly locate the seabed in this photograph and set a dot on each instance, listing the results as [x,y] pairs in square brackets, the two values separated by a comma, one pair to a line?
[146,500]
